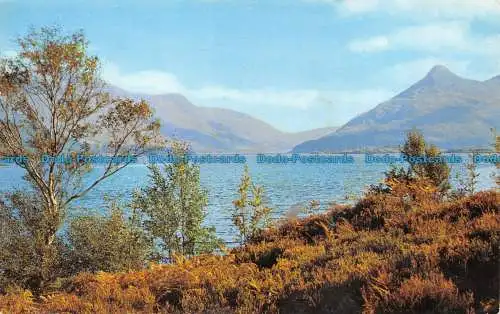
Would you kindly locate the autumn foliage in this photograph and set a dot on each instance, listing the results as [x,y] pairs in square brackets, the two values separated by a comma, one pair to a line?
[399,251]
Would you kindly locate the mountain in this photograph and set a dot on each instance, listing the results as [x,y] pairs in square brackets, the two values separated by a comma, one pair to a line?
[219,130]
[452,112]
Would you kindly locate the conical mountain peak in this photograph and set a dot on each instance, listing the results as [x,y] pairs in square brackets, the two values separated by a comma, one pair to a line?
[440,72]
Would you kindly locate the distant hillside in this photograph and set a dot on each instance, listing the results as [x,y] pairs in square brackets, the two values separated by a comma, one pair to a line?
[220,130]
[451,111]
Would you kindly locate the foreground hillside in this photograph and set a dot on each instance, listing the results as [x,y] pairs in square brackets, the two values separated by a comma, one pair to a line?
[392,252]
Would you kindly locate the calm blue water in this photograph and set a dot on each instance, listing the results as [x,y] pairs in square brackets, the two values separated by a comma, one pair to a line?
[288,186]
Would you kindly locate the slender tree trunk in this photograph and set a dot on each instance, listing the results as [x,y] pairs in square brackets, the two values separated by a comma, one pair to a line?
[48,250]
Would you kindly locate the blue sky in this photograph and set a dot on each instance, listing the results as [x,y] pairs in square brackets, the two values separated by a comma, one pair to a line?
[296,64]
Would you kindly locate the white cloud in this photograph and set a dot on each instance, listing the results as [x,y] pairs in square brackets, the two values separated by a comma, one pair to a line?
[430,37]
[346,6]
[300,99]
[466,9]
[149,82]
[377,43]
[159,82]
[490,45]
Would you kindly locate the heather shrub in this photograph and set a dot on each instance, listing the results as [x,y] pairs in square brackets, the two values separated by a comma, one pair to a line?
[17,301]
[418,294]
[308,229]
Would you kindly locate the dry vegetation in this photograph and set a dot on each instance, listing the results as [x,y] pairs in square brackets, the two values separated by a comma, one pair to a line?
[393,252]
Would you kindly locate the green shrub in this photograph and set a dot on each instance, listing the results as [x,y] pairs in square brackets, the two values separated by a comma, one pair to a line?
[106,243]
[24,228]
[250,213]
[171,209]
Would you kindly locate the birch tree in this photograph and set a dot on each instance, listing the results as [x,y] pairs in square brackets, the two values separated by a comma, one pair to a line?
[53,104]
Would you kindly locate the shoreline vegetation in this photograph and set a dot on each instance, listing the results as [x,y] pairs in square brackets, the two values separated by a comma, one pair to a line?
[386,254]
[411,244]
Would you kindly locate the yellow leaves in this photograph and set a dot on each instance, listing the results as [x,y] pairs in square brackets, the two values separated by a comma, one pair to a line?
[182,168]
[344,228]
[379,286]
[106,277]
[136,295]
[489,222]
[17,302]
[254,285]
[91,63]
[301,254]
[285,264]
[143,109]
[416,288]
[126,113]
[63,302]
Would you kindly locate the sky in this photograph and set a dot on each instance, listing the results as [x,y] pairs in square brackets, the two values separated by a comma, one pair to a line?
[296,64]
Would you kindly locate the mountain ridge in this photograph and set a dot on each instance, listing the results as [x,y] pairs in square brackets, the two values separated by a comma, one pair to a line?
[452,112]
[213,129]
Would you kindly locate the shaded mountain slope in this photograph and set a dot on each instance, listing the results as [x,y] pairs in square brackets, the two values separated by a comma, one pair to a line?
[451,111]
[219,130]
